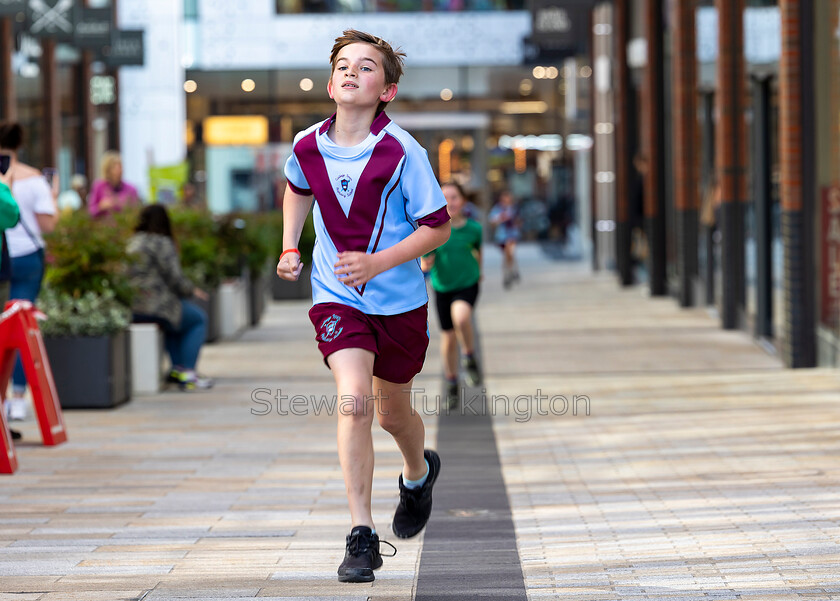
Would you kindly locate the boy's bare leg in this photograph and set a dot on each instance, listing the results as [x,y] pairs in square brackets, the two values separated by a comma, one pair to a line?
[353,372]
[398,418]
[449,352]
[510,256]
[462,320]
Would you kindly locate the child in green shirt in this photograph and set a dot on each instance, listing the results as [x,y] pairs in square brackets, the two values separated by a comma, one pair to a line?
[455,273]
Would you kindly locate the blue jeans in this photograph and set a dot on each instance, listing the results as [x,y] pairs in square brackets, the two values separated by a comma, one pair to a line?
[184,342]
[27,274]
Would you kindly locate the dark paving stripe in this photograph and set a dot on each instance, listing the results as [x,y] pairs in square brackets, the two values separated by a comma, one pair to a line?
[469,551]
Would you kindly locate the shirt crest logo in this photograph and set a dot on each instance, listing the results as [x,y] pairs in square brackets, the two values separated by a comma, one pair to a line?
[330,329]
[343,185]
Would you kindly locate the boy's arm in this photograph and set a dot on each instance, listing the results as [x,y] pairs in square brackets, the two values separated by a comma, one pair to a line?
[478,241]
[295,209]
[356,268]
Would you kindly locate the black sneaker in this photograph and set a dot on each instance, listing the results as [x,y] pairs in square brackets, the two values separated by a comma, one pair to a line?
[15,434]
[472,373]
[451,400]
[362,556]
[416,505]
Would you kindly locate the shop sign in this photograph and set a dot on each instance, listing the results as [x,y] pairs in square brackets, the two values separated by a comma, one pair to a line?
[51,19]
[93,27]
[235,130]
[126,48]
[830,276]
[10,8]
[103,90]
[559,29]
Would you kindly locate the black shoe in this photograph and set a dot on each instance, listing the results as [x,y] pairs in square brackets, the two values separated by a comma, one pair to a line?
[15,434]
[416,505]
[451,401]
[362,556]
[472,371]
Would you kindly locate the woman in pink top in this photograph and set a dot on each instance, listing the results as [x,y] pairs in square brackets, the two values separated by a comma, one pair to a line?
[110,194]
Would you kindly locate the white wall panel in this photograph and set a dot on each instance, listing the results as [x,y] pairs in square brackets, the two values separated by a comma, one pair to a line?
[152,100]
[245,36]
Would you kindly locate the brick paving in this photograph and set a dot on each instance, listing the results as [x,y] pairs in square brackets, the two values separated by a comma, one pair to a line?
[703,470]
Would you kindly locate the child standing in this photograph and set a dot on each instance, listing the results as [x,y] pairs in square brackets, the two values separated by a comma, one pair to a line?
[378,210]
[456,272]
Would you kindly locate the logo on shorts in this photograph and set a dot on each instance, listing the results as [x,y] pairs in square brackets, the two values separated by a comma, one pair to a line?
[330,328]
[343,186]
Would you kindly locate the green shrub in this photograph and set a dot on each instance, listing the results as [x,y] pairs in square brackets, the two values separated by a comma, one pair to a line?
[257,235]
[234,245]
[85,255]
[272,232]
[90,314]
[196,236]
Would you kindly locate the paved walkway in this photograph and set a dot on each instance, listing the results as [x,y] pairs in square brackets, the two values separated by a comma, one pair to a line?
[684,464]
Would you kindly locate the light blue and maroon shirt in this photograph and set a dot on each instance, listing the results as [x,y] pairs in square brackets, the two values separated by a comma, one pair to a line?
[368,198]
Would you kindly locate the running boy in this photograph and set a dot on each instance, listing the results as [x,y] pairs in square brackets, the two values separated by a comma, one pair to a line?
[378,210]
[456,272]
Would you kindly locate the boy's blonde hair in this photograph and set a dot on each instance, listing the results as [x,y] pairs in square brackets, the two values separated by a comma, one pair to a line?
[392,58]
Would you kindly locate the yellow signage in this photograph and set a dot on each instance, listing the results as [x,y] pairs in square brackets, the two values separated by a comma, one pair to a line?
[246,130]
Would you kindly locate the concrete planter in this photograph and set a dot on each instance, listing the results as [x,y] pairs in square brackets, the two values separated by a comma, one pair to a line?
[147,359]
[233,308]
[91,372]
[257,294]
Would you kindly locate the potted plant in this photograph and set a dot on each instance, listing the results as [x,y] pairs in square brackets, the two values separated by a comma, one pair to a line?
[86,298]
[260,232]
[86,340]
[234,290]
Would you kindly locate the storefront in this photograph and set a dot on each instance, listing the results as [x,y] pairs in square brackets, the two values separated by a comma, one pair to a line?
[60,83]
[727,125]
[827,243]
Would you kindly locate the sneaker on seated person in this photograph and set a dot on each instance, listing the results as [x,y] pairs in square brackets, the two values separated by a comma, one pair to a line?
[188,379]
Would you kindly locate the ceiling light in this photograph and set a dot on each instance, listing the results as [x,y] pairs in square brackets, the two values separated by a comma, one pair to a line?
[446,94]
[190,86]
[248,85]
[306,84]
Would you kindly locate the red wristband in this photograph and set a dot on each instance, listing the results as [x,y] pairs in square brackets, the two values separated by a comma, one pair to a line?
[290,250]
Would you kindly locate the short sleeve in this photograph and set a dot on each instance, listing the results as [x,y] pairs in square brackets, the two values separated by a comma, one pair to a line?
[294,175]
[42,194]
[423,197]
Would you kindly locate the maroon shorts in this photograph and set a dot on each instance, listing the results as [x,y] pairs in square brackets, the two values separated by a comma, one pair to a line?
[399,342]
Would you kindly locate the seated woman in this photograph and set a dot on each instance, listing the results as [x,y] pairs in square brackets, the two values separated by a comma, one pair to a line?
[161,293]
